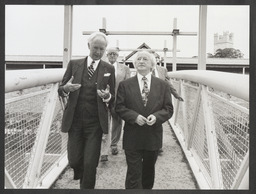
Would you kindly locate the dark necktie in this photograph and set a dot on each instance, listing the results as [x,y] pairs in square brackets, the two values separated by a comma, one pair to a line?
[91,70]
[145,91]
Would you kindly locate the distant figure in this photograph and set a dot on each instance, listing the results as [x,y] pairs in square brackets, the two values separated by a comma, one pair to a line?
[144,103]
[89,84]
[122,72]
[161,73]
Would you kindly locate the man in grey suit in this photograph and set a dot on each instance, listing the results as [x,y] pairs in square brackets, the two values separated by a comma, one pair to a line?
[122,72]
[89,84]
[161,73]
[144,103]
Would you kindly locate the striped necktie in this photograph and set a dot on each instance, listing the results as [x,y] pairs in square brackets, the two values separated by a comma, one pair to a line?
[91,70]
[145,91]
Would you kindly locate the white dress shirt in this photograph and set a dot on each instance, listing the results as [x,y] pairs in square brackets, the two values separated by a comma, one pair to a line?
[141,82]
[89,61]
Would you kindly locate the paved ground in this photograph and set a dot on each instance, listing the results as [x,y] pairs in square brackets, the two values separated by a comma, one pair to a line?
[172,169]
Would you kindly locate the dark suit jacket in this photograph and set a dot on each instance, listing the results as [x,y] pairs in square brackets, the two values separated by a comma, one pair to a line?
[129,105]
[106,75]
[162,72]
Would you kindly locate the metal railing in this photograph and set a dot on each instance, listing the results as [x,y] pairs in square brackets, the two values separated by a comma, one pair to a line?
[212,125]
[35,149]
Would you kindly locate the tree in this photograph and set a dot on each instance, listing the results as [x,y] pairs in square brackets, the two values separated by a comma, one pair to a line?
[228,53]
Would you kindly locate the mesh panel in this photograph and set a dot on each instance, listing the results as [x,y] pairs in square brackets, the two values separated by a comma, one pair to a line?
[232,130]
[200,143]
[190,104]
[22,117]
[57,141]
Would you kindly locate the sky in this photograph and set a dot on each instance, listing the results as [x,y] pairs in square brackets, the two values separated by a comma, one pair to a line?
[38,29]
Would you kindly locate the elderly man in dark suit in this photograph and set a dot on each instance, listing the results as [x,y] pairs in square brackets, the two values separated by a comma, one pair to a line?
[89,84]
[144,103]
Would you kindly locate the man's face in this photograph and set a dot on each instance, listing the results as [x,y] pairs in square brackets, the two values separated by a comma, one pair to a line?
[143,63]
[97,48]
[112,57]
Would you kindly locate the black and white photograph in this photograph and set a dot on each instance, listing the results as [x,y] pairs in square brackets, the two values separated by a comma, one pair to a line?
[121,97]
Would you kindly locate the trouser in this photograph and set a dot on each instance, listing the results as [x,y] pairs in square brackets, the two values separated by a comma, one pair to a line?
[140,169]
[116,130]
[84,143]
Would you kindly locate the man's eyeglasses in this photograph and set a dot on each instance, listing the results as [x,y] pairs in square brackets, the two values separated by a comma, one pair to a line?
[112,53]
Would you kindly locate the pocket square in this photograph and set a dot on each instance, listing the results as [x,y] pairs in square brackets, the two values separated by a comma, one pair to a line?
[106,74]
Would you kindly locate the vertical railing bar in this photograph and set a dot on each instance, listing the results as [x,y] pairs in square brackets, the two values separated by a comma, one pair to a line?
[214,157]
[193,126]
[176,110]
[8,182]
[184,111]
[241,172]
[37,154]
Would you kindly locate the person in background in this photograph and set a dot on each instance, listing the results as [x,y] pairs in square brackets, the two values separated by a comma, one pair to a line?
[144,102]
[89,84]
[161,72]
[122,72]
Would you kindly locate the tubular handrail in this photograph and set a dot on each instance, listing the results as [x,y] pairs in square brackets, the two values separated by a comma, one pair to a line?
[23,79]
[232,83]
[29,118]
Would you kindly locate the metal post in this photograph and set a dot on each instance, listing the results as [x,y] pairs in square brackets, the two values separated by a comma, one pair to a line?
[165,50]
[8,182]
[38,152]
[214,157]
[68,24]
[174,49]
[202,37]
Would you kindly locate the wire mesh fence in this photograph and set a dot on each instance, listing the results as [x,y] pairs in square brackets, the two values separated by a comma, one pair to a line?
[23,114]
[231,131]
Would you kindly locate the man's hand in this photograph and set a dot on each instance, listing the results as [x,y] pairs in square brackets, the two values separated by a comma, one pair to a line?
[140,120]
[69,87]
[104,93]
[151,120]
[180,99]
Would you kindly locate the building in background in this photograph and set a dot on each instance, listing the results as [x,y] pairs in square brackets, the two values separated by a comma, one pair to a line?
[223,41]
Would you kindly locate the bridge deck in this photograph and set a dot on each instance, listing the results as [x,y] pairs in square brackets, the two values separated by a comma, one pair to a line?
[172,169]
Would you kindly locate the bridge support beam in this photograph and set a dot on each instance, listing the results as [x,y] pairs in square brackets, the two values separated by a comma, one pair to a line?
[202,37]
[68,25]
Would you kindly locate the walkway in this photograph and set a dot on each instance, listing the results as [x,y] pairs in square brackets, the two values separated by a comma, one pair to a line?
[172,169]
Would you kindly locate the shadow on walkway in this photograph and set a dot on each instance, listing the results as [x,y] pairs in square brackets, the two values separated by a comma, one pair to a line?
[172,169]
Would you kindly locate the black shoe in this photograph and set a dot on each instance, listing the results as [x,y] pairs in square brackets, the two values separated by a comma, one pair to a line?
[160,151]
[114,151]
[104,158]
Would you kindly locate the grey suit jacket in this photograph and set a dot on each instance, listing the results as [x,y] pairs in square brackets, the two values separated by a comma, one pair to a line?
[162,72]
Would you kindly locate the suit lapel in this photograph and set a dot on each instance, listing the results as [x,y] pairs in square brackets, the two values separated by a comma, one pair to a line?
[101,71]
[153,91]
[137,93]
[119,73]
[78,71]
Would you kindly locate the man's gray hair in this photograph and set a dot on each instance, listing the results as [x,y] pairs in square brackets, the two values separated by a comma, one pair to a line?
[95,35]
[151,57]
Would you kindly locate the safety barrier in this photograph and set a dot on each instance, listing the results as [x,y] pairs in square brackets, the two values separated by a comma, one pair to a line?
[212,125]
[35,149]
